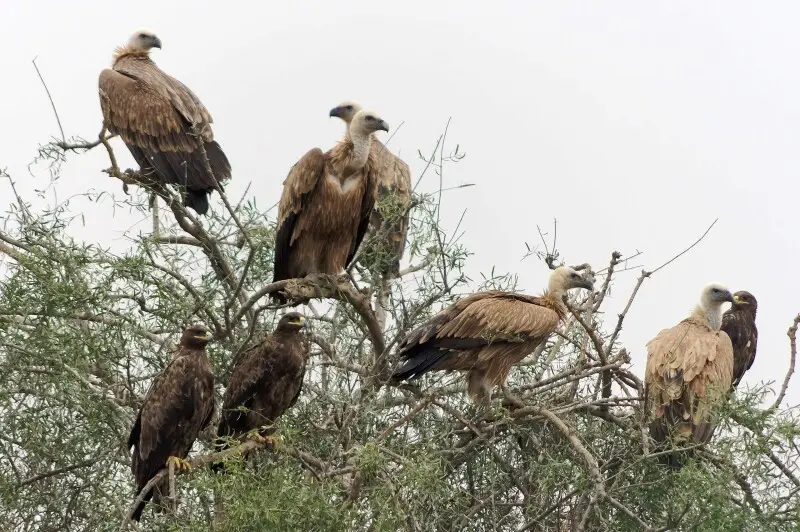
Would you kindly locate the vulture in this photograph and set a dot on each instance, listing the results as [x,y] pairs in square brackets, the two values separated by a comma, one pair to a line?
[162,123]
[265,382]
[393,198]
[178,406]
[326,204]
[486,333]
[689,370]
[739,323]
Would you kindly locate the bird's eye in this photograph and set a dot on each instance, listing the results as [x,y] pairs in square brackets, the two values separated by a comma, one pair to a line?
[574,275]
[349,107]
[715,290]
[142,35]
[370,118]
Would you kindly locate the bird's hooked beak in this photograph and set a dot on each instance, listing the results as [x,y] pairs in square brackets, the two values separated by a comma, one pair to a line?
[586,283]
[207,336]
[727,296]
[383,126]
[156,42]
[337,112]
[738,300]
[301,322]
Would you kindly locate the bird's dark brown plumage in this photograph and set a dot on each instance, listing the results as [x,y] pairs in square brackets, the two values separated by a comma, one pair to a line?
[739,322]
[177,407]
[265,382]
[163,124]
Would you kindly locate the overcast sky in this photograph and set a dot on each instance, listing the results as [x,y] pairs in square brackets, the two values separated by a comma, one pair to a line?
[635,124]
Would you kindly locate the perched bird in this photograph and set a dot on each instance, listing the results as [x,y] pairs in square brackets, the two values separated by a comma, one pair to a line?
[178,406]
[265,382]
[689,370]
[392,201]
[486,333]
[326,204]
[739,323]
[162,122]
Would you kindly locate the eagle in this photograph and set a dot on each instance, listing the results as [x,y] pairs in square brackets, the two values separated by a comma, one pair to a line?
[326,204]
[178,406]
[739,323]
[393,199]
[486,333]
[162,123]
[265,382]
[689,370]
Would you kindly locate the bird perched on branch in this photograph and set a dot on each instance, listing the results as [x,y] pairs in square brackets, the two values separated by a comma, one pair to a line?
[163,124]
[486,333]
[739,323]
[689,371]
[326,204]
[390,216]
[265,383]
[178,406]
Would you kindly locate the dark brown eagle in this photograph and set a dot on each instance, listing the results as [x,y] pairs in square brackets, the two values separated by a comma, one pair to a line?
[265,382]
[326,204]
[739,322]
[486,333]
[689,371]
[390,217]
[162,122]
[178,406]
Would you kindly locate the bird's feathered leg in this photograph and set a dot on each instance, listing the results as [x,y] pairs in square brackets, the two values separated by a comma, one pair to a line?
[512,399]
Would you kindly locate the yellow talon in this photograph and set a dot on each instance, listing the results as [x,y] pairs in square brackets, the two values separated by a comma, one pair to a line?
[179,463]
[268,441]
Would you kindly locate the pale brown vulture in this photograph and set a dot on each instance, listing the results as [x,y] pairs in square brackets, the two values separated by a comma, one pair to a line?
[326,204]
[486,333]
[392,201]
[178,406]
[739,323]
[689,370]
[162,122]
[265,382]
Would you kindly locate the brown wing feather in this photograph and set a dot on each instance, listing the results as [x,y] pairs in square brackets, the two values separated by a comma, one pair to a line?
[689,369]
[367,204]
[453,339]
[298,190]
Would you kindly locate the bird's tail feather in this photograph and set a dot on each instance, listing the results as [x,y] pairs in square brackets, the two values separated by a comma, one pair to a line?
[419,363]
[197,200]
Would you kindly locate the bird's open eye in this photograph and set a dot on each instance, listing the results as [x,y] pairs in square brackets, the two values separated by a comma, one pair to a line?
[575,276]
[370,118]
[142,35]
[715,290]
[349,107]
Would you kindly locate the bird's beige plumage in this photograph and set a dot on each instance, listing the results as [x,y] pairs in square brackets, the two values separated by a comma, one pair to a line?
[326,203]
[689,370]
[486,333]
[390,217]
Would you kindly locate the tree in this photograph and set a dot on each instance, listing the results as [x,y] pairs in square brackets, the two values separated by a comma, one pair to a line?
[83,331]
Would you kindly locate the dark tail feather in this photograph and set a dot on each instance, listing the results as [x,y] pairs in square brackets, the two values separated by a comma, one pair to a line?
[418,364]
[137,513]
[219,445]
[197,200]
[219,161]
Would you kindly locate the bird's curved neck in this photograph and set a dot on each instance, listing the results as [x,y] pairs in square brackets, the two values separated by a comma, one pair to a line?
[712,315]
[125,51]
[360,152]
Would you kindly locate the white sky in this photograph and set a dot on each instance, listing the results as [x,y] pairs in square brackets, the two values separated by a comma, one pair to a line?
[635,124]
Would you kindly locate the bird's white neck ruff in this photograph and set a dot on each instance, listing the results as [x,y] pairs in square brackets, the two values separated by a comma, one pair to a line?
[712,314]
[360,154]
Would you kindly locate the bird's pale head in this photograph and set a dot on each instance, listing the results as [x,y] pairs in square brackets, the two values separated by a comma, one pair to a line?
[744,300]
[714,295]
[366,123]
[346,110]
[143,41]
[564,278]
[196,336]
[292,321]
